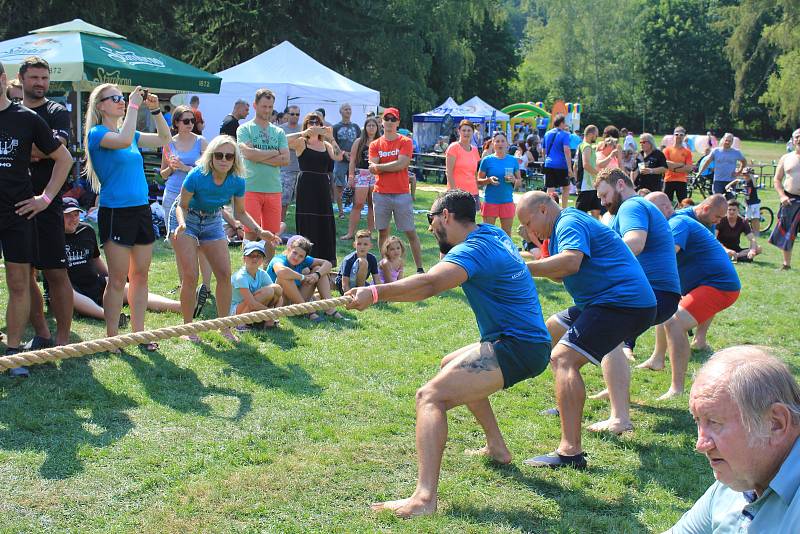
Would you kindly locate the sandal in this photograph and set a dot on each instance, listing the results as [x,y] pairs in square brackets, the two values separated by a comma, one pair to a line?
[149,347]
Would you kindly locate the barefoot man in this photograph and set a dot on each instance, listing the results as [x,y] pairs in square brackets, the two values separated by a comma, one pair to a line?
[613,302]
[709,284]
[514,343]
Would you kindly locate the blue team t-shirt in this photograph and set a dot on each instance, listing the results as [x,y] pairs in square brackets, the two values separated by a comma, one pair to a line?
[689,212]
[609,273]
[499,287]
[209,196]
[657,258]
[701,260]
[503,192]
[120,171]
[241,279]
[283,260]
[725,163]
[553,144]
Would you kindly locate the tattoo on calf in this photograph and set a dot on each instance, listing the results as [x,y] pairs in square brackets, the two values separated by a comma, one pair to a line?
[478,362]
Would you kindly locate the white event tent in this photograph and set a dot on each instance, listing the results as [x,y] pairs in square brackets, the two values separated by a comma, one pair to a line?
[295,78]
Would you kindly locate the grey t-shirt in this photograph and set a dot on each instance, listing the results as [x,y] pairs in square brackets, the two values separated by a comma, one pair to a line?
[346,134]
[293,165]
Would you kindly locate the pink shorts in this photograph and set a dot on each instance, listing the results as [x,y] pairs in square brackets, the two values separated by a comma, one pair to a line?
[265,209]
[504,211]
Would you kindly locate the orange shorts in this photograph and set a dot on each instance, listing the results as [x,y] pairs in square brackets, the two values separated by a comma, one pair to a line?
[265,209]
[704,302]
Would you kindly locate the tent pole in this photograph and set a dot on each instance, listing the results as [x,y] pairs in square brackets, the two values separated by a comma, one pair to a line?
[79,126]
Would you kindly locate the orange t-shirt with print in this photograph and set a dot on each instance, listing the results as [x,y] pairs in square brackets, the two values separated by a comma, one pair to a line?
[395,182]
[677,155]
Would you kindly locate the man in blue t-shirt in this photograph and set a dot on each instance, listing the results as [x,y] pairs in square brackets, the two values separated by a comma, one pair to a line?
[613,302]
[646,232]
[709,284]
[726,163]
[709,212]
[558,159]
[514,343]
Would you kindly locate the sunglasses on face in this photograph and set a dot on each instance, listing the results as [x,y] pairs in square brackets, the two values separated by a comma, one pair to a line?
[187,121]
[228,156]
[431,215]
[294,114]
[314,122]
[114,98]
[390,119]
[677,134]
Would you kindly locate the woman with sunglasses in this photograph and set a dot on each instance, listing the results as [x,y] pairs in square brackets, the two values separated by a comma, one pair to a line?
[652,164]
[314,211]
[360,179]
[115,168]
[197,223]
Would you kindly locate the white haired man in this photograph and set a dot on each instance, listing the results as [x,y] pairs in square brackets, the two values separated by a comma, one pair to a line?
[746,404]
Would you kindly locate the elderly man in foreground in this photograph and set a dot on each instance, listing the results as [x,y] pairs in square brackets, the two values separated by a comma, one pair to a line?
[746,404]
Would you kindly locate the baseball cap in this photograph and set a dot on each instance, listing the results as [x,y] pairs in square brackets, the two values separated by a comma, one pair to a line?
[392,111]
[71,204]
[254,246]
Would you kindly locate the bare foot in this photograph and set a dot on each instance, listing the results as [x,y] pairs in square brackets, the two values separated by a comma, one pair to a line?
[346,238]
[406,508]
[700,346]
[501,457]
[654,364]
[615,426]
[601,395]
[629,354]
[671,394]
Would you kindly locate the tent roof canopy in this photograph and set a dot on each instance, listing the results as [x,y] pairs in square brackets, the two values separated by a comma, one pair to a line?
[482,108]
[79,26]
[448,107]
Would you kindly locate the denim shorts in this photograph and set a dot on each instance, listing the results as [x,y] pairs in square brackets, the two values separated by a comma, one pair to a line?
[203,226]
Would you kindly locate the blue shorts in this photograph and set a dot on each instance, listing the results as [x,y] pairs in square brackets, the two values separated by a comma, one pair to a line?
[598,329]
[666,306]
[202,226]
[340,171]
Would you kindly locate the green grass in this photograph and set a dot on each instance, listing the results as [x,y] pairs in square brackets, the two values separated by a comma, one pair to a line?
[299,430]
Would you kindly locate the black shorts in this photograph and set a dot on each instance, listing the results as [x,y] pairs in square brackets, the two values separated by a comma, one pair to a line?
[95,292]
[518,359]
[16,239]
[598,329]
[666,306]
[126,226]
[49,249]
[556,177]
[587,201]
[677,189]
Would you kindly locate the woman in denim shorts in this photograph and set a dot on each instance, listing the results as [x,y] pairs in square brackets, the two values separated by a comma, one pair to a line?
[196,223]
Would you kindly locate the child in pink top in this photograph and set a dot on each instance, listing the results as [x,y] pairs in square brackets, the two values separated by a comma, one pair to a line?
[390,269]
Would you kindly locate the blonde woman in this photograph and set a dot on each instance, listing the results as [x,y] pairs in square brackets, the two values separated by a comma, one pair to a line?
[197,220]
[115,168]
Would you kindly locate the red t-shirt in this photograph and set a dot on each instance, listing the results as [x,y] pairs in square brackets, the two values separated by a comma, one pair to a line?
[388,151]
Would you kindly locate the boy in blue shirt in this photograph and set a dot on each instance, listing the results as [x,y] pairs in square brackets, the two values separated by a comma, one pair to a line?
[514,344]
[709,284]
[359,265]
[253,289]
[613,302]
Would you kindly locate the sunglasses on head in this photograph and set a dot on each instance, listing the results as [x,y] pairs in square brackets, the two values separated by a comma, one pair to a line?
[114,98]
[432,214]
[228,156]
[390,118]
[187,121]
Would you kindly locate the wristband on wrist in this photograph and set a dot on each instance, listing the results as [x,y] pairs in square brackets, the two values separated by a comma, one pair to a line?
[156,111]
[303,277]
[47,198]
[133,106]
[374,294]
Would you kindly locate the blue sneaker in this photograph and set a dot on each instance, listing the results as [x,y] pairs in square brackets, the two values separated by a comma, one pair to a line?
[554,460]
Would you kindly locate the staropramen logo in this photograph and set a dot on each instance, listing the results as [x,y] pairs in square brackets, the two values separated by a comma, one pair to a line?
[128,57]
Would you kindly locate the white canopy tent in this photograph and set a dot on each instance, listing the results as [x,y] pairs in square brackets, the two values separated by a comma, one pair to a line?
[480,107]
[296,79]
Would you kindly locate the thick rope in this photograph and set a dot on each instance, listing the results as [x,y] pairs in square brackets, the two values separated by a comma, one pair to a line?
[148,336]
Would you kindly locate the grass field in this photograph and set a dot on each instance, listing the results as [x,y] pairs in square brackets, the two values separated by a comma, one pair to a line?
[299,430]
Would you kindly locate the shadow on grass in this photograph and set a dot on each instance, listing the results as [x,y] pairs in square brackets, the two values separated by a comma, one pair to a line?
[252,361]
[60,412]
[578,509]
[177,388]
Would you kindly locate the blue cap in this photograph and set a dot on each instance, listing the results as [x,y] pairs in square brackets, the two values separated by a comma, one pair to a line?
[254,246]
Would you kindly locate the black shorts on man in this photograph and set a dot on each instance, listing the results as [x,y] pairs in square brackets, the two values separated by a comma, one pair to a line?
[666,306]
[587,201]
[597,329]
[48,226]
[126,226]
[16,239]
[518,360]
[556,177]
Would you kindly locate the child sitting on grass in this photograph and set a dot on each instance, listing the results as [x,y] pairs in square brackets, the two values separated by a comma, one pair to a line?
[391,266]
[253,289]
[357,266]
[299,275]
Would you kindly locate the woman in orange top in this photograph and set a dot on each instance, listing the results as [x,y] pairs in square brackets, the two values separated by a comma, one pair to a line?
[462,159]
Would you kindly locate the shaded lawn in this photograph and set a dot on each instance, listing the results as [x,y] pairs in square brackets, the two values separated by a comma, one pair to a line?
[298,430]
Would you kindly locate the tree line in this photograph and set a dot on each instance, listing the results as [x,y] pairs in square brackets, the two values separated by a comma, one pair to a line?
[707,64]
